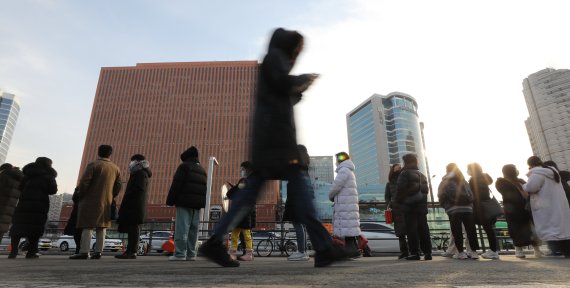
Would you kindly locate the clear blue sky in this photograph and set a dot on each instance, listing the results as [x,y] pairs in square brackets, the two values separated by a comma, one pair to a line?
[463,61]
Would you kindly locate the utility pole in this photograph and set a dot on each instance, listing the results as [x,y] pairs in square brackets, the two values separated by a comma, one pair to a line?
[205,215]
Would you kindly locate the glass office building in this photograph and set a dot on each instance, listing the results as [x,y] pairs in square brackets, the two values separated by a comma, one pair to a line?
[380,131]
[9,110]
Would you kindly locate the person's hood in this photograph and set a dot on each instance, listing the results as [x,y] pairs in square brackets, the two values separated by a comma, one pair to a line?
[136,166]
[14,173]
[346,164]
[285,41]
[548,173]
[35,170]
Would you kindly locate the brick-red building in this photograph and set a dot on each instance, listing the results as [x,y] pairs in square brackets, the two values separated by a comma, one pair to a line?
[161,109]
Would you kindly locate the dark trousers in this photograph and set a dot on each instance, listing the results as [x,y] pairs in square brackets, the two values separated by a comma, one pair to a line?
[403,245]
[133,233]
[417,230]
[466,218]
[304,210]
[32,245]
[77,239]
[491,235]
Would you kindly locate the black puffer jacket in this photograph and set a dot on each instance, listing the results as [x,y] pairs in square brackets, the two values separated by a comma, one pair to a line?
[30,216]
[274,144]
[9,195]
[513,202]
[410,181]
[133,205]
[188,187]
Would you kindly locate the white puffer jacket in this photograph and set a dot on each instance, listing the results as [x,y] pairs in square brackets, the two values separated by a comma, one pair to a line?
[346,222]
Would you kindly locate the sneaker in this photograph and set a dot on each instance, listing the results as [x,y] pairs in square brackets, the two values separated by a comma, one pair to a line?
[298,256]
[460,256]
[80,256]
[191,258]
[473,255]
[413,257]
[216,251]
[519,253]
[176,258]
[402,256]
[447,254]
[490,255]
[126,256]
[96,256]
[427,257]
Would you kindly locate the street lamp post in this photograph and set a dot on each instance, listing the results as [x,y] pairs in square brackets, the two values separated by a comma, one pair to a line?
[205,215]
[431,193]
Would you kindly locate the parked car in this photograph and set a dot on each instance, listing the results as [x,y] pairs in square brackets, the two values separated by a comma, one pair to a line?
[158,238]
[381,237]
[66,242]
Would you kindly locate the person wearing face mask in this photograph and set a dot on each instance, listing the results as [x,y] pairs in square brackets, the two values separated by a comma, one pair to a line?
[397,213]
[247,223]
[133,207]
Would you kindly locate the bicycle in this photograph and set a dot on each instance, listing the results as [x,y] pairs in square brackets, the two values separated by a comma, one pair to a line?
[440,242]
[285,246]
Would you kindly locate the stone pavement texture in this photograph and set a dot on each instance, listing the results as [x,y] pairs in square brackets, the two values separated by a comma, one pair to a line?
[156,271]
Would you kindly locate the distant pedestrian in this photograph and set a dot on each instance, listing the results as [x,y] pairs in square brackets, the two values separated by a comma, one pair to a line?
[275,155]
[550,210]
[456,198]
[398,215]
[517,211]
[412,197]
[248,222]
[71,227]
[479,184]
[346,215]
[188,193]
[288,214]
[554,246]
[98,186]
[30,217]
[10,178]
[132,212]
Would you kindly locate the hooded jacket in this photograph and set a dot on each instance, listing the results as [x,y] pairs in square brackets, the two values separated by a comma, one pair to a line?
[133,205]
[410,181]
[343,193]
[9,194]
[549,207]
[448,187]
[513,202]
[274,144]
[188,188]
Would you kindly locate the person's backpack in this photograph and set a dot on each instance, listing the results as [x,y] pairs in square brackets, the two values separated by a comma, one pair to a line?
[460,196]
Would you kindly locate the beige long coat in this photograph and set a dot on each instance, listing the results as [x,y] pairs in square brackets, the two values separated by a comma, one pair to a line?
[100,183]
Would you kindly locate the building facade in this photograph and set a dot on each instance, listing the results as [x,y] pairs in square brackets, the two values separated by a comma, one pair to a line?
[9,110]
[547,96]
[160,109]
[380,131]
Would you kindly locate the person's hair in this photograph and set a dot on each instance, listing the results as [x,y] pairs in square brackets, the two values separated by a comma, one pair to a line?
[6,166]
[246,165]
[105,151]
[392,174]
[535,161]
[474,168]
[44,161]
[137,157]
[410,159]
[341,156]
[510,171]
[459,177]
[551,164]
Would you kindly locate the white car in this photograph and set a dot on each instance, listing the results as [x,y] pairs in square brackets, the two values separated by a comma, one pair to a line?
[158,238]
[381,237]
[66,242]
[44,244]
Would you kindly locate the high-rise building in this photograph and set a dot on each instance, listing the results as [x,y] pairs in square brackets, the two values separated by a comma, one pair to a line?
[9,110]
[380,131]
[161,109]
[547,96]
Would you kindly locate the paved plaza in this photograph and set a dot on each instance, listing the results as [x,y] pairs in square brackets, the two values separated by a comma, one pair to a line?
[156,271]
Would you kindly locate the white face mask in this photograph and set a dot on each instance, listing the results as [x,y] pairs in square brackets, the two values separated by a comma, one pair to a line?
[132,163]
[243,174]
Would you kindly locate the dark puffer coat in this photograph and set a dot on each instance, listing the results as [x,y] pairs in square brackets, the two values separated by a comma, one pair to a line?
[519,219]
[133,205]
[30,216]
[274,145]
[188,187]
[410,181]
[398,215]
[9,195]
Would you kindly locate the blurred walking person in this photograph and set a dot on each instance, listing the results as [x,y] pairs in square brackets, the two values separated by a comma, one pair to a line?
[550,210]
[346,216]
[30,216]
[412,197]
[398,215]
[554,246]
[479,184]
[132,212]
[70,227]
[456,198]
[188,194]
[275,155]
[98,186]
[519,218]
[248,222]
[10,178]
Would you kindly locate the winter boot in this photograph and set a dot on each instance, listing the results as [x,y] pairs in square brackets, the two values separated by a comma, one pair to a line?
[247,257]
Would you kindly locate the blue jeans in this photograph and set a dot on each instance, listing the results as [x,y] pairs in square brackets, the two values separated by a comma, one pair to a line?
[301,239]
[186,231]
[304,209]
